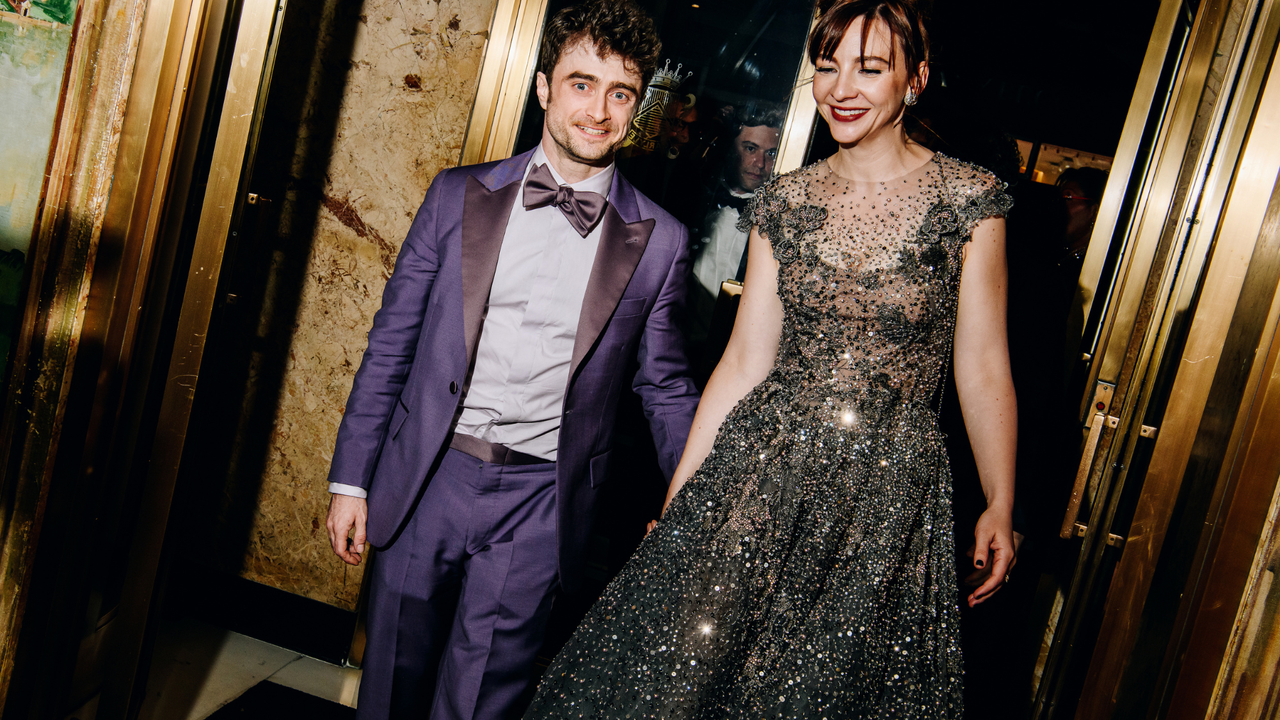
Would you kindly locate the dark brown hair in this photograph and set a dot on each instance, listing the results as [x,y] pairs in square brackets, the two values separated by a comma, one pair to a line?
[903,18]
[614,27]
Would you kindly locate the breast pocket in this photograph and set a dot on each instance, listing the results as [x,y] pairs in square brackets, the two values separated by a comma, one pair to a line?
[630,307]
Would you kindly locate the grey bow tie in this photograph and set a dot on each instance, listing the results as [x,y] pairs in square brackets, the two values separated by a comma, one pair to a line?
[583,210]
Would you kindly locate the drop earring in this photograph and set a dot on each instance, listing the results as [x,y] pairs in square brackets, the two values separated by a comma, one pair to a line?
[911,97]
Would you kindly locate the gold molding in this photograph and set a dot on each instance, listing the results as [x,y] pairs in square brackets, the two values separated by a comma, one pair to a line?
[1156,253]
[1233,241]
[510,56]
[254,44]
[1127,151]
[97,79]
[802,115]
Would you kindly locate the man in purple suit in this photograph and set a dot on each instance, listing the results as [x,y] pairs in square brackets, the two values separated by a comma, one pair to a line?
[477,435]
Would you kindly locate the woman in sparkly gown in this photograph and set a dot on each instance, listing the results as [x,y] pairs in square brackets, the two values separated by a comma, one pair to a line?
[803,566]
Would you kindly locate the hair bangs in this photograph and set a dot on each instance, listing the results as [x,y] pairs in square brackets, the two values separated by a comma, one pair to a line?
[900,17]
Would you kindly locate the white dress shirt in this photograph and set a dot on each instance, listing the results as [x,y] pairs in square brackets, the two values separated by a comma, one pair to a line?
[516,394]
[721,255]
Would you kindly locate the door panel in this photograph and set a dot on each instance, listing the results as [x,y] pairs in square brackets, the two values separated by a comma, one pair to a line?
[1197,213]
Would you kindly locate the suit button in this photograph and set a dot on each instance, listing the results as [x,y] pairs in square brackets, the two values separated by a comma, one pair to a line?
[453,388]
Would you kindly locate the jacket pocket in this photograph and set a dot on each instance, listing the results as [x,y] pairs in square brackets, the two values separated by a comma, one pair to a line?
[599,468]
[399,414]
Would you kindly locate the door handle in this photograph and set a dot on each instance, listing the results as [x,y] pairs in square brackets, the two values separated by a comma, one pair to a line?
[1070,527]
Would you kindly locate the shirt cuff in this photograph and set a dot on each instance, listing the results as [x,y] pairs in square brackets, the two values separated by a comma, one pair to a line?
[352,490]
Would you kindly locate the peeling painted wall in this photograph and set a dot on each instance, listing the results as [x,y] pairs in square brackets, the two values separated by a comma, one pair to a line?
[409,86]
[33,56]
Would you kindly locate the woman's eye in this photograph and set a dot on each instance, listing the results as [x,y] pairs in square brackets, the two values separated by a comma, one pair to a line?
[825,69]
[870,71]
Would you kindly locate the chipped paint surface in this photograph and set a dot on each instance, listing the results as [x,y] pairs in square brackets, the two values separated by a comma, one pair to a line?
[409,90]
[33,56]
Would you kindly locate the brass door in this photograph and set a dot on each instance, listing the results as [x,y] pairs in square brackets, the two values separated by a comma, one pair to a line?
[1178,285]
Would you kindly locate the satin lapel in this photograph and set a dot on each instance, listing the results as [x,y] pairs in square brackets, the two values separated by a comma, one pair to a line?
[484,223]
[622,245]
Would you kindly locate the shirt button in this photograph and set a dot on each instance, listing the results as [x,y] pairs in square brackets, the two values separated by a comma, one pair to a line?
[453,388]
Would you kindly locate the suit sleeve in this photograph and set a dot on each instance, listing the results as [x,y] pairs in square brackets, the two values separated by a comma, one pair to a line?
[393,340]
[666,391]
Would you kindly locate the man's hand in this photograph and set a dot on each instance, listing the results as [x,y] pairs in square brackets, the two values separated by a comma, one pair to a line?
[345,514]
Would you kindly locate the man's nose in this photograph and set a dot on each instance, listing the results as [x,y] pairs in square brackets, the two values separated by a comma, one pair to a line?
[598,109]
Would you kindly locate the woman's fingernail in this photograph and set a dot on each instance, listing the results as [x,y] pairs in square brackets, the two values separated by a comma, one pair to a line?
[978,563]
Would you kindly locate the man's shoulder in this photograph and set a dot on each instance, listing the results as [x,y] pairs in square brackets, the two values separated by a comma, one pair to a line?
[459,173]
[493,174]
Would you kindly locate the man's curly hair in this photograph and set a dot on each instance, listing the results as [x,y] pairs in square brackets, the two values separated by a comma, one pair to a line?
[614,27]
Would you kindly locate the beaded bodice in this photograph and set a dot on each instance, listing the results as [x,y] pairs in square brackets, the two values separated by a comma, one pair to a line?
[869,276]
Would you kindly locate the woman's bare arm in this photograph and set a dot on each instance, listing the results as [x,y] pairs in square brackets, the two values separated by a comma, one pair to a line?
[985,387]
[746,361]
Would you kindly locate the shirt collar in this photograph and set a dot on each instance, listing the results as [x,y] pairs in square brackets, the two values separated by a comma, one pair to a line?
[601,182]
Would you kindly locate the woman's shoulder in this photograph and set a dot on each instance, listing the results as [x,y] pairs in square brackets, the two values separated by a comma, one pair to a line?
[790,184]
[967,179]
[786,195]
[977,193]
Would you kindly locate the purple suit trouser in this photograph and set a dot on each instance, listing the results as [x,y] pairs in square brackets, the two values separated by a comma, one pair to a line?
[459,603]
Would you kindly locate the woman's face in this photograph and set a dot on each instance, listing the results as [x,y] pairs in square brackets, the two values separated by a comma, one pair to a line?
[862,96]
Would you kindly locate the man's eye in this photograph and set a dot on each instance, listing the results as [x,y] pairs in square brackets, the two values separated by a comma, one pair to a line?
[621,97]
[771,154]
[579,86]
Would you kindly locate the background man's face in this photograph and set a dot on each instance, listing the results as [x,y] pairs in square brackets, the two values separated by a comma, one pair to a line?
[756,149]
[589,102]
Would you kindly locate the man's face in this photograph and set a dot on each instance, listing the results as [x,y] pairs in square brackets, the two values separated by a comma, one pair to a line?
[1081,210]
[589,102]
[756,148]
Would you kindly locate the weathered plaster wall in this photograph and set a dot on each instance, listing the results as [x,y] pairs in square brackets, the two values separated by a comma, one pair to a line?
[409,90]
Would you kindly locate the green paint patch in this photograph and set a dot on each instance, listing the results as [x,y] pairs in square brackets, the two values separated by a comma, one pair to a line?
[59,11]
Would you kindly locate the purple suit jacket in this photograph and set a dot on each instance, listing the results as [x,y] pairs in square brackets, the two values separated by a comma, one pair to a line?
[407,392]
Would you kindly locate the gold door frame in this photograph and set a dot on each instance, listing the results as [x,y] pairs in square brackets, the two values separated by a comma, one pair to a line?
[95,182]
[1196,218]
[510,56]
[255,42]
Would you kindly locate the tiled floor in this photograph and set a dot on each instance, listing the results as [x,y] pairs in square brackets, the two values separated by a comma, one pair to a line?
[198,668]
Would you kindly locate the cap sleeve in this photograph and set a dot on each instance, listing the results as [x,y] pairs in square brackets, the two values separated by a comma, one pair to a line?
[985,198]
[764,211]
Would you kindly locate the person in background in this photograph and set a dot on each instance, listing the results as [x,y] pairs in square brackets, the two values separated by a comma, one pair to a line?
[720,246]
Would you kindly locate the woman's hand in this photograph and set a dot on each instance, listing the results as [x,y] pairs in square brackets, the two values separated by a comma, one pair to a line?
[994,553]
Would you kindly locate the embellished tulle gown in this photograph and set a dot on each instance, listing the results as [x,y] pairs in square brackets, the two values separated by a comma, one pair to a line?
[806,569]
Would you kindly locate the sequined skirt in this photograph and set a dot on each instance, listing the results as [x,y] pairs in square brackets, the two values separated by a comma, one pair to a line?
[805,571]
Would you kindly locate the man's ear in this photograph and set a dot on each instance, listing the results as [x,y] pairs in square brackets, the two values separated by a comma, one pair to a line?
[543,89]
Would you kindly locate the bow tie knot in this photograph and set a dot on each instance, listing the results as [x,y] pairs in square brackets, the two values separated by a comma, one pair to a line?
[583,210]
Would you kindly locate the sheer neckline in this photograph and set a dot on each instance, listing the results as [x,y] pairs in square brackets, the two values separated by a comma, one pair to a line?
[826,166]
